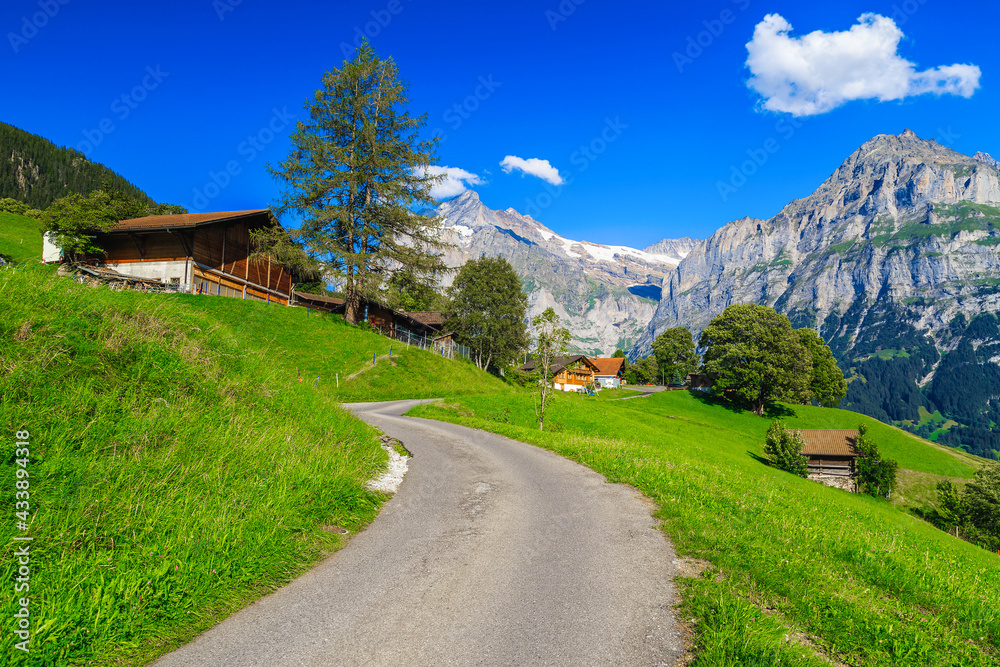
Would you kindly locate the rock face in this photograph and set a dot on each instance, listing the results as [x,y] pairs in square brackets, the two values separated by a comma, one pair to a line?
[605,295]
[894,260]
[902,221]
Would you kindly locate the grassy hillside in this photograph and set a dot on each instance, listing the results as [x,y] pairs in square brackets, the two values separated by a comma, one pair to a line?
[321,346]
[793,573]
[20,238]
[177,468]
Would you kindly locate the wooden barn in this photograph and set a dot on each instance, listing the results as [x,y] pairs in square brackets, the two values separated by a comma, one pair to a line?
[832,455]
[206,253]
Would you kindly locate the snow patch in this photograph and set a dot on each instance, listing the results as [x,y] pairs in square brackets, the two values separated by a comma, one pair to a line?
[462,230]
[604,253]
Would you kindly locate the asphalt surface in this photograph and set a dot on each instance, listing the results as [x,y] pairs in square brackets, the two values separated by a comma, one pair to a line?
[493,552]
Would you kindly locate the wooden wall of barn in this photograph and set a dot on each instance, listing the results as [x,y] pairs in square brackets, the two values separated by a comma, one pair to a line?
[223,247]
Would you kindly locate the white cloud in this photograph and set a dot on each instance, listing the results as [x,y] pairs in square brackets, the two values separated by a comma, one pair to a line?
[820,71]
[455,181]
[534,166]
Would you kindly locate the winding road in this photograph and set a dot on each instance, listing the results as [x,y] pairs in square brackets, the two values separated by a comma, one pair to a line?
[493,552]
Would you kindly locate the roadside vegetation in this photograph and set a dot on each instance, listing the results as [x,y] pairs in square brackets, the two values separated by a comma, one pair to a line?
[178,470]
[794,573]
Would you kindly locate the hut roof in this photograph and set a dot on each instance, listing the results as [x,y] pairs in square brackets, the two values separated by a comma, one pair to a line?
[430,318]
[829,442]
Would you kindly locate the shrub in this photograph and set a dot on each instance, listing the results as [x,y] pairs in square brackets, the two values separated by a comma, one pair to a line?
[876,476]
[783,449]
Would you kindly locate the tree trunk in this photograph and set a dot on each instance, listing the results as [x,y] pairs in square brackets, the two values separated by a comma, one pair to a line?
[351,305]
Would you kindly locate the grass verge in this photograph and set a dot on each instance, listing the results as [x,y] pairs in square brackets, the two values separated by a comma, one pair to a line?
[800,574]
[177,470]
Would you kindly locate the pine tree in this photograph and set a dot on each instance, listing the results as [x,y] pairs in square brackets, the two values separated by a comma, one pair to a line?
[353,178]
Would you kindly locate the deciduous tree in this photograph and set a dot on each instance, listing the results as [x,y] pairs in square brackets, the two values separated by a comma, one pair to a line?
[353,177]
[552,342]
[75,218]
[675,354]
[488,310]
[783,449]
[753,354]
[826,384]
[981,499]
[875,476]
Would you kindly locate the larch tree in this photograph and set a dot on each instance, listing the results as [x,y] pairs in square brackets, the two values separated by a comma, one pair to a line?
[355,177]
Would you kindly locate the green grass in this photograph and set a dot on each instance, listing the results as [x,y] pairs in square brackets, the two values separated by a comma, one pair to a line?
[178,471]
[20,238]
[318,345]
[615,394]
[840,575]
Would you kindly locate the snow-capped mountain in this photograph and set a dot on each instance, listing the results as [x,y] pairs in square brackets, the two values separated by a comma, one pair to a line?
[604,294]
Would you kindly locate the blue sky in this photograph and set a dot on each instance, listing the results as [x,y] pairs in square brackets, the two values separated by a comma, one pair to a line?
[641,109]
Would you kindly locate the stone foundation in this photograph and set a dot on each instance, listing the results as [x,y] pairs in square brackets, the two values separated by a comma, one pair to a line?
[842,482]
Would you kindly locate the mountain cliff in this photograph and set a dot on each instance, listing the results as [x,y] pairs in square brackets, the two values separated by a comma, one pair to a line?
[604,294]
[894,260]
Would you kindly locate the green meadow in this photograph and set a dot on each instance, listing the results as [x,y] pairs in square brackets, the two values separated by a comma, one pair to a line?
[188,454]
[791,572]
[179,468]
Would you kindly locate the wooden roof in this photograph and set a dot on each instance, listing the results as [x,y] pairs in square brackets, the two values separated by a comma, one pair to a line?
[182,220]
[829,442]
[611,366]
[431,318]
[320,298]
[559,363]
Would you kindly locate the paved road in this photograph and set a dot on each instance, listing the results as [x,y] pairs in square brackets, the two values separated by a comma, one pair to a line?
[493,552]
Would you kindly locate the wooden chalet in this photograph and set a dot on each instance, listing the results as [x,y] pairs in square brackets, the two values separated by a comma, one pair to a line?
[831,454]
[569,373]
[609,372]
[206,253]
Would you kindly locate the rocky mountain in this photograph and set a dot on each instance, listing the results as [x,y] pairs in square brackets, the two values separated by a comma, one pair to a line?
[894,259]
[604,294]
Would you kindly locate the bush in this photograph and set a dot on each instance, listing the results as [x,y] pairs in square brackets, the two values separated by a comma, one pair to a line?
[982,505]
[876,476]
[8,205]
[783,449]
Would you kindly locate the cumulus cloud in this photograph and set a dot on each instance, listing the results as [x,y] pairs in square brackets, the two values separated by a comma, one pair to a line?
[820,71]
[455,181]
[534,166]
